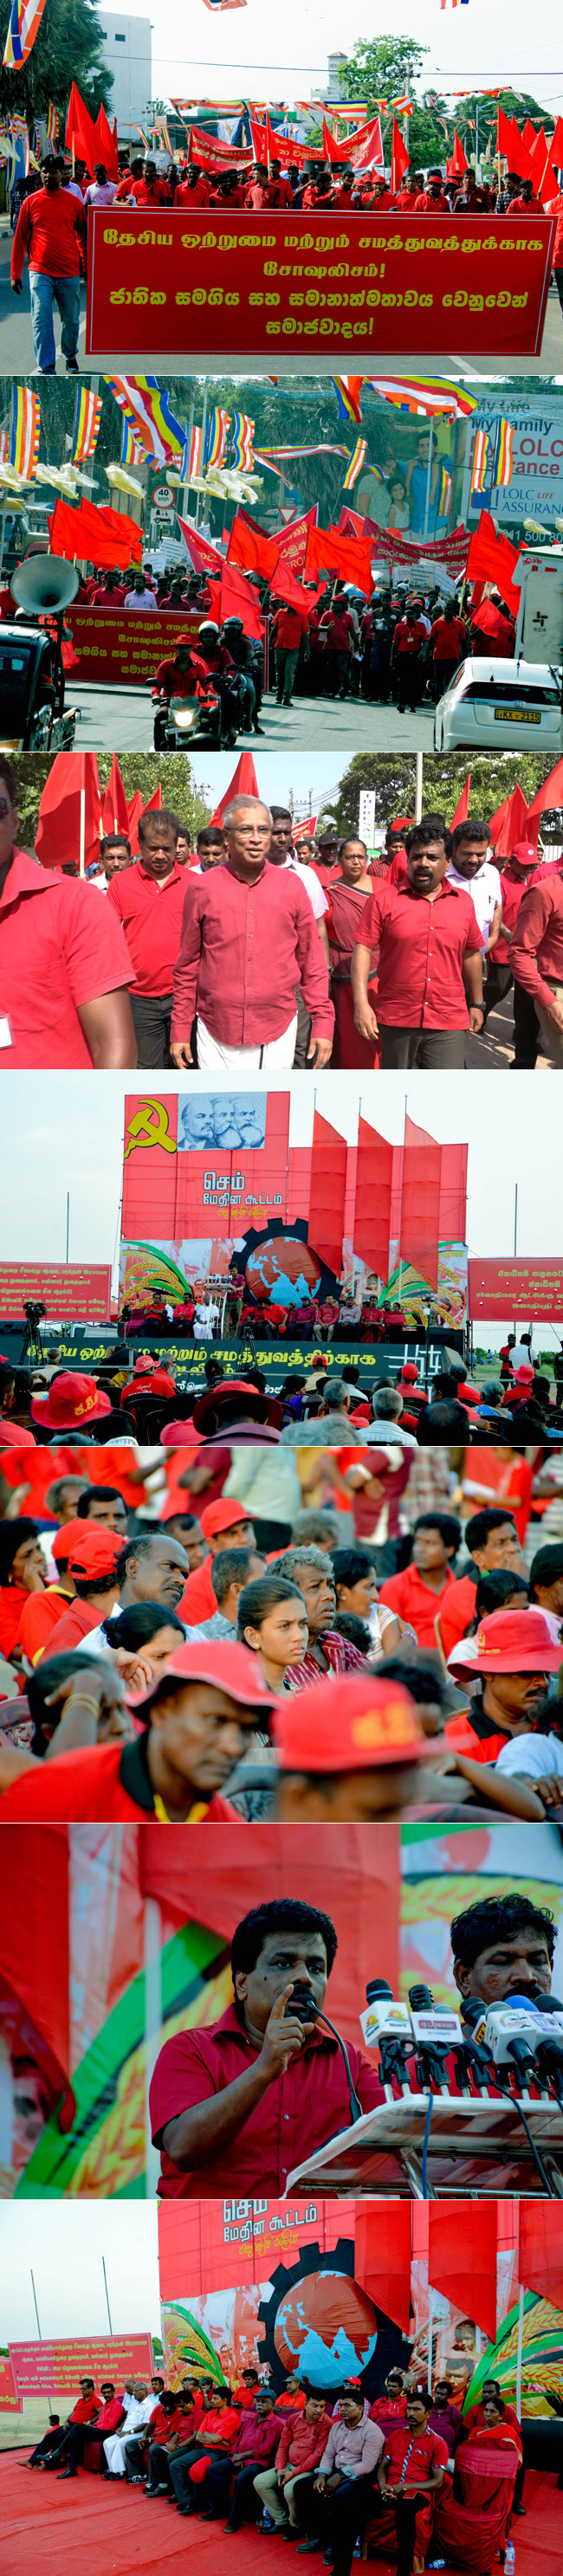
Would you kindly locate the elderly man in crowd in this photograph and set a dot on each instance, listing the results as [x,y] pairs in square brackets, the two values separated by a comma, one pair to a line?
[249,938]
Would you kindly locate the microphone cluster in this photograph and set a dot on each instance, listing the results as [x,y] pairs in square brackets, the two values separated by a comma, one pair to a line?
[513,2049]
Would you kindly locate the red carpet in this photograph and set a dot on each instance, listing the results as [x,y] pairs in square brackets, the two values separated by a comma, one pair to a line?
[109,2535]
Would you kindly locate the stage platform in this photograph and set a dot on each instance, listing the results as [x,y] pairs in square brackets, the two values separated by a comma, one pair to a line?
[110,2531]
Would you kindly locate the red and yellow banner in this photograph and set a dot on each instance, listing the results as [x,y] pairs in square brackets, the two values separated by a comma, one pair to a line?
[55,2369]
[68,1289]
[277,281]
[498,1289]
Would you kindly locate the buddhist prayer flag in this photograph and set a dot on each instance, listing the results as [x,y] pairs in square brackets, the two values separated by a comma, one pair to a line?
[23,27]
[146,408]
[25,426]
[357,459]
[86,426]
[425,395]
[242,453]
[348,390]
[480,466]
[216,435]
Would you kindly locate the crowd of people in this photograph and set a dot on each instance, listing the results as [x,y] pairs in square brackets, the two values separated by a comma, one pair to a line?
[149,1399]
[323,1636]
[325,2470]
[388,960]
[51,226]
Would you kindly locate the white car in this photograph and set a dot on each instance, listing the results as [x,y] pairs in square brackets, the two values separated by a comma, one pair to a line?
[501,706]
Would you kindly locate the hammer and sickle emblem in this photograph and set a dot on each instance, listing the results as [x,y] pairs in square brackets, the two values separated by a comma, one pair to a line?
[150,1127]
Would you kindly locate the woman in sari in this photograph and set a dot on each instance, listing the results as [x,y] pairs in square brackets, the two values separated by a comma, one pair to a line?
[473,2512]
[348,892]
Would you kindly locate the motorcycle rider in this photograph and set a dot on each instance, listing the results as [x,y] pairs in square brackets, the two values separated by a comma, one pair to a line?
[189,671]
[247,654]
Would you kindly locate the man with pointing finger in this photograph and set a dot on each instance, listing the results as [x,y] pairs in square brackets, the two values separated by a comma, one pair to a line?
[248,939]
[236,2107]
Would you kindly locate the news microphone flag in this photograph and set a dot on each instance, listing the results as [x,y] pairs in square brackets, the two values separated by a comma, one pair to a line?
[86,425]
[23,27]
[242,451]
[357,459]
[24,432]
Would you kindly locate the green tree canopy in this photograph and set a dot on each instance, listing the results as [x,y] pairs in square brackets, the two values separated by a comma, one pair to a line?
[387,66]
[68,47]
[392,780]
[140,771]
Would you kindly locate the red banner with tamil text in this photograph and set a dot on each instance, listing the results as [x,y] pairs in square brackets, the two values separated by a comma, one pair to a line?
[498,1289]
[115,644]
[179,284]
[10,2403]
[77,1290]
[55,2369]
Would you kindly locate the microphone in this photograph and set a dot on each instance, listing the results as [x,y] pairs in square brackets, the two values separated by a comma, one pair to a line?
[437,2030]
[387,2025]
[550,2049]
[513,2032]
[303,2004]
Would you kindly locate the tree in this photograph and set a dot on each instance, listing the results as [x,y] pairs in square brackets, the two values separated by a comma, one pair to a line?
[67,47]
[139,770]
[391,778]
[390,65]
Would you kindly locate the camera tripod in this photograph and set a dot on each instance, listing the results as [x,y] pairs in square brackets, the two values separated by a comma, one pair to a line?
[31,1348]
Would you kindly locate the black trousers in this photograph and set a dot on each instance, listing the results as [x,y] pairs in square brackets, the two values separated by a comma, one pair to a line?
[152,1014]
[159,2467]
[50,2446]
[340,2518]
[526,1028]
[405,2518]
[430,1048]
[180,2465]
[407,679]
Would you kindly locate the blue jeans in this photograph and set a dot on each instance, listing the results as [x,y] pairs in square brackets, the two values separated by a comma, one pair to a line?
[45,292]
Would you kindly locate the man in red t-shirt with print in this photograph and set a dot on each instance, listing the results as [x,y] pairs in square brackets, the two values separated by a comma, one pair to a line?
[149,901]
[51,231]
[287,630]
[409,641]
[150,190]
[339,626]
[193,191]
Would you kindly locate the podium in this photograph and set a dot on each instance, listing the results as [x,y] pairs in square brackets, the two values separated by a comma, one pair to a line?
[477,2149]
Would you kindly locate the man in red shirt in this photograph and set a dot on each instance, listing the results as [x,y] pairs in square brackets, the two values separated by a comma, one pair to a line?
[124,194]
[404,199]
[287,630]
[257,195]
[149,901]
[429,945]
[83,2431]
[215,2433]
[240,2104]
[448,643]
[225,1523]
[64,964]
[281,192]
[522,870]
[470,199]
[537,955]
[150,190]
[85,2412]
[195,1724]
[411,2473]
[193,191]
[249,937]
[492,1542]
[339,626]
[526,203]
[432,199]
[420,1591]
[92,1560]
[51,229]
[409,641]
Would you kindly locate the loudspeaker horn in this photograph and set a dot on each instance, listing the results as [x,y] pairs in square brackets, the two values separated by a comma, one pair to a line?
[44,584]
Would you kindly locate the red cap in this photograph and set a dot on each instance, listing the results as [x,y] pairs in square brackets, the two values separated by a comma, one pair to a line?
[229,1668]
[95,1552]
[525,851]
[222,1515]
[516,1641]
[70,1399]
[263,1407]
[352,1723]
[409,1372]
[69,1535]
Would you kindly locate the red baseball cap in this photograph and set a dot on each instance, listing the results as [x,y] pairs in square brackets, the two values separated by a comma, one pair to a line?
[409,1371]
[230,1668]
[350,1724]
[147,1381]
[70,1399]
[516,1641]
[95,1552]
[69,1535]
[222,1515]
[525,851]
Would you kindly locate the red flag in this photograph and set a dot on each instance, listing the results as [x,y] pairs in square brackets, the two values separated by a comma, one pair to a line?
[203,557]
[238,600]
[372,1210]
[244,782]
[509,824]
[462,808]
[452,1217]
[137,807]
[284,586]
[359,151]
[291,541]
[80,132]
[250,547]
[106,143]
[511,143]
[541,2250]
[329,551]
[420,1202]
[382,2260]
[462,2259]
[115,810]
[456,166]
[69,812]
[492,558]
[399,157]
[549,794]
[327,1196]
[556,144]
[100,537]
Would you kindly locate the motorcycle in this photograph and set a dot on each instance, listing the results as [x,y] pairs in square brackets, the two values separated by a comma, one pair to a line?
[209,716]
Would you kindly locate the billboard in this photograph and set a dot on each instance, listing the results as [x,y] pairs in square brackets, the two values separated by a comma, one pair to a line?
[498,1289]
[67,1289]
[10,2403]
[535,489]
[55,2369]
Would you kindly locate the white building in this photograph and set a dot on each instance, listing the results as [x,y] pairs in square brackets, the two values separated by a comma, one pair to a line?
[126,47]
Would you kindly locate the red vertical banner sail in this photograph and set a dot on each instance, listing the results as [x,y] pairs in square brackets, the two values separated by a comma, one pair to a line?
[149,1168]
[372,1213]
[452,1218]
[420,1202]
[541,2249]
[462,2259]
[327,1193]
[383,2258]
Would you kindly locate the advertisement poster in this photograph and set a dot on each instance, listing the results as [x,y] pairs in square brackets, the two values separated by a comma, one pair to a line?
[535,490]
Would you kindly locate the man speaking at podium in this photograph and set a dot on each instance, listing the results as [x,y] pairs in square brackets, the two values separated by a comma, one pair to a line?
[236,2107]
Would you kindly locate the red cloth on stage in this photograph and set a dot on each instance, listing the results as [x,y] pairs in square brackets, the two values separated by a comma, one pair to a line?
[470,2524]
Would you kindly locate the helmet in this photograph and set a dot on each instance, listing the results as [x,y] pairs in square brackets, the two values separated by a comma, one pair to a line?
[231,622]
[208,627]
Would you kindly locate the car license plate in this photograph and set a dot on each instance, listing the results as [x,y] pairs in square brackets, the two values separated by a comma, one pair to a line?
[517,715]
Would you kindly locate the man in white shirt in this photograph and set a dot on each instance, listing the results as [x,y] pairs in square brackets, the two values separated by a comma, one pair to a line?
[140,597]
[472,869]
[281,854]
[102,190]
[139,2415]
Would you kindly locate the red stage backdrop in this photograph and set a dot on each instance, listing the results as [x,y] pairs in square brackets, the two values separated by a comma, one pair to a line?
[55,2369]
[281,280]
[513,1287]
[114,644]
[77,1290]
[209,2244]
[181,1191]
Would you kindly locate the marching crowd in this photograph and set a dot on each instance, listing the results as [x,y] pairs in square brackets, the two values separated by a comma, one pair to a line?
[320,2470]
[306,1644]
[392,960]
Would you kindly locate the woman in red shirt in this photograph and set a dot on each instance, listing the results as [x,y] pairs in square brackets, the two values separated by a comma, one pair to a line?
[22,1571]
[348,892]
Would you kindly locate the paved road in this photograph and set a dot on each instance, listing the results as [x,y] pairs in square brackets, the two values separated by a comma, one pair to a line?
[16,346]
[122,720]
